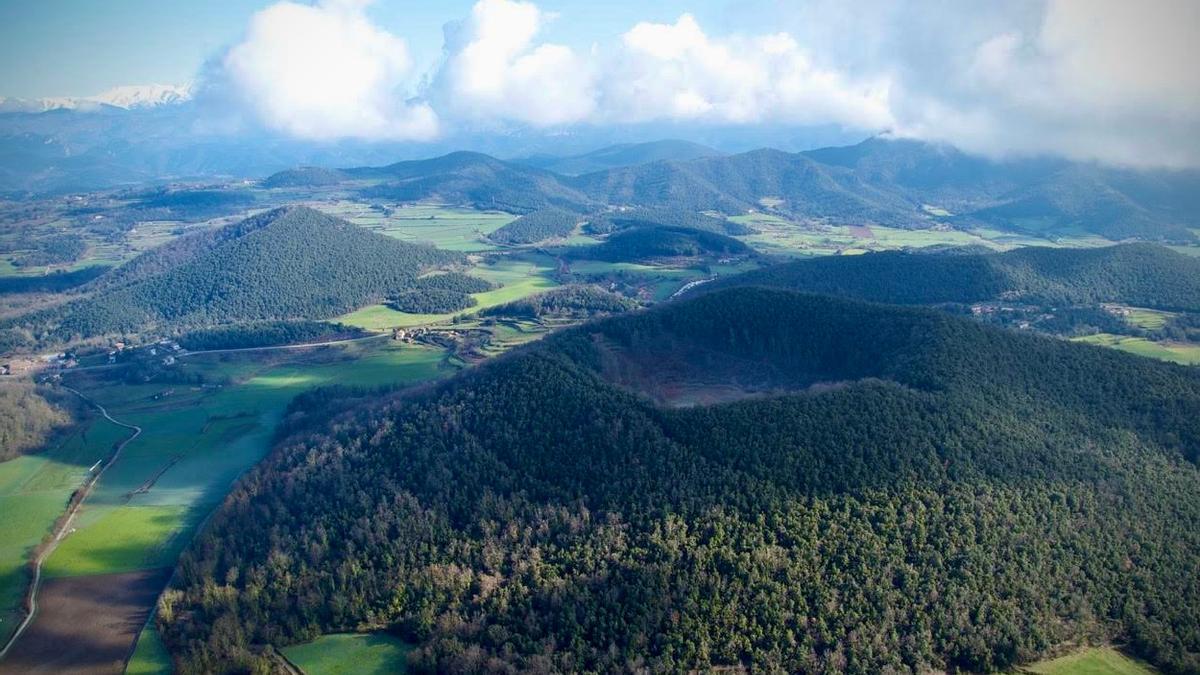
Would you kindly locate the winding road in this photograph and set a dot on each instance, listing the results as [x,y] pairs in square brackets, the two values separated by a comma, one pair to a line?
[65,525]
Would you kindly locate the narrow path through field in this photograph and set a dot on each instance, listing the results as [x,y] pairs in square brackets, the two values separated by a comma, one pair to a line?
[65,525]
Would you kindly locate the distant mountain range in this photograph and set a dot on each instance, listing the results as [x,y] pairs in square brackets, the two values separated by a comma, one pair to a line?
[127,97]
[882,181]
[885,181]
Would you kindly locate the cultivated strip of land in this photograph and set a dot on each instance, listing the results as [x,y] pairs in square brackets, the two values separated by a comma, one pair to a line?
[64,523]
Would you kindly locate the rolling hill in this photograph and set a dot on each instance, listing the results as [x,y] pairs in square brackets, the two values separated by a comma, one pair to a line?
[771,179]
[624,154]
[884,489]
[473,179]
[293,262]
[893,182]
[1143,275]
[648,243]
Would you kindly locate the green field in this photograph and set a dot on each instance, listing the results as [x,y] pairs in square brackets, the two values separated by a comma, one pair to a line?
[150,657]
[34,490]
[780,236]
[205,437]
[1186,354]
[1091,661]
[196,441]
[516,278]
[350,653]
[1149,319]
[446,227]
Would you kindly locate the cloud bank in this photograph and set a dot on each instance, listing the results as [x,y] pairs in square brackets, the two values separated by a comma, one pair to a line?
[325,71]
[1104,80]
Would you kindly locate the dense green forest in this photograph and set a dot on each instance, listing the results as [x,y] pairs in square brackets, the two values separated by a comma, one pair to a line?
[55,250]
[430,301]
[27,419]
[644,243]
[289,263]
[304,177]
[265,334]
[56,282]
[1143,275]
[611,221]
[472,179]
[574,301]
[537,226]
[622,154]
[920,493]
[194,204]
[439,294]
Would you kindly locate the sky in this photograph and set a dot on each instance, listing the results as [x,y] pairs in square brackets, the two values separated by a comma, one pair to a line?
[1105,80]
[55,48]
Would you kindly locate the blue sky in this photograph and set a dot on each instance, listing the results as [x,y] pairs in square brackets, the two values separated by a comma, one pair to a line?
[82,47]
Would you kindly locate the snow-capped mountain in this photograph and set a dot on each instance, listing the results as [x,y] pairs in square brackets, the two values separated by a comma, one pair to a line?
[128,97]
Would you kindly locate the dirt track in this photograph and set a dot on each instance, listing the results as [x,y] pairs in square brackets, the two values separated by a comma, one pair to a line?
[86,625]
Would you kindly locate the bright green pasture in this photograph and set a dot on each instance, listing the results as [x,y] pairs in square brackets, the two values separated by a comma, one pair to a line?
[350,653]
[1150,319]
[151,656]
[515,278]
[1091,661]
[449,228]
[34,490]
[1186,354]
[196,441]
[781,236]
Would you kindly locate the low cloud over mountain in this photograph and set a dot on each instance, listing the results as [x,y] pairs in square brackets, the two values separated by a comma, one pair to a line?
[1099,80]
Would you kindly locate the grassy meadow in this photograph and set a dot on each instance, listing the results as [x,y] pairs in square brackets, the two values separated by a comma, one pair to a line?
[780,236]
[350,654]
[34,491]
[196,441]
[446,227]
[1186,354]
[1090,661]
[515,278]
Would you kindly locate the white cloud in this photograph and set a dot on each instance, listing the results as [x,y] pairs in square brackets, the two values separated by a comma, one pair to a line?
[678,72]
[1107,80]
[325,71]
[494,70]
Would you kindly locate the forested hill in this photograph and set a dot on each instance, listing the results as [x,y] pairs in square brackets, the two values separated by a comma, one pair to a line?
[900,183]
[474,179]
[293,262]
[624,154]
[1143,275]
[917,492]
[648,243]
